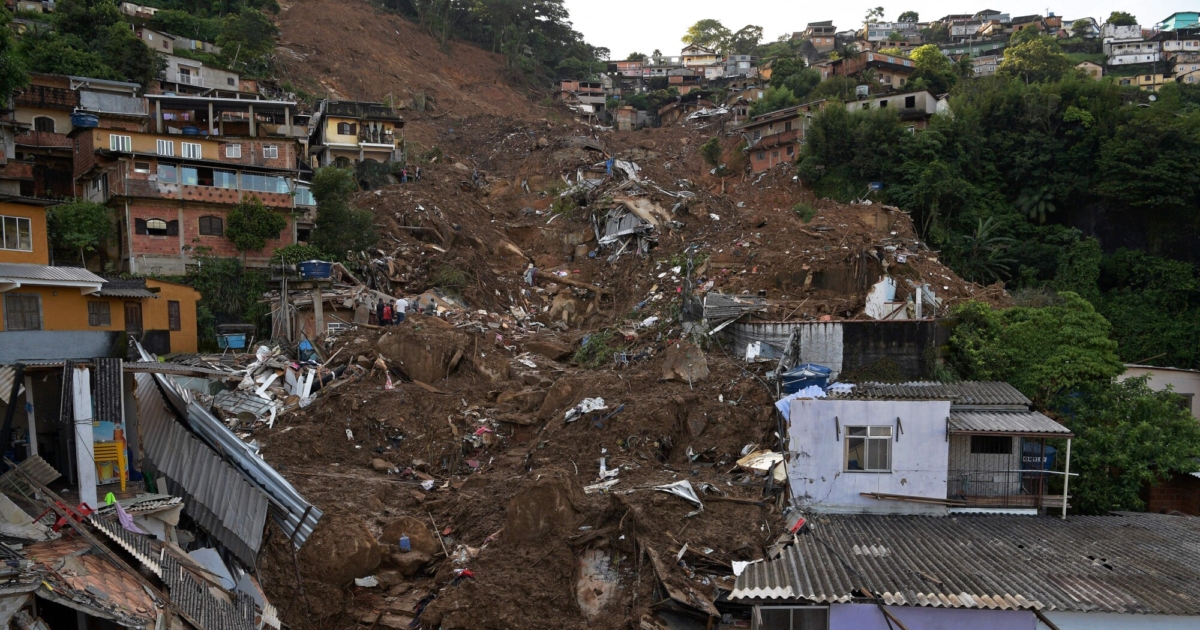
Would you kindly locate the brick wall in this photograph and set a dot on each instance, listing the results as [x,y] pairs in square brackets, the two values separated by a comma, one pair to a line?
[1181,493]
[85,153]
[252,152]
[189,231]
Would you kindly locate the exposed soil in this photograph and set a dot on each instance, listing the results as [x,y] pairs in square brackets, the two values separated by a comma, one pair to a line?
[479,445]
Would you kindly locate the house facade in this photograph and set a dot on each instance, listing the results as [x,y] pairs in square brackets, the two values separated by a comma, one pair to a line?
[1092,70]
[774,138]
[697,57]
[913,108]
[351,132]
[822,35]
[1179,20]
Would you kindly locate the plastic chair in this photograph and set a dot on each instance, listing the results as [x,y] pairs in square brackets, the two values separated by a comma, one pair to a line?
[112,452]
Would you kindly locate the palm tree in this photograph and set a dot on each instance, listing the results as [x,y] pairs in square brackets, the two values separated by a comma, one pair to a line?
[985,253]
[1036,202]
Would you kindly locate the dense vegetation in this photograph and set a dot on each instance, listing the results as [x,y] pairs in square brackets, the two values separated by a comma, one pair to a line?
[999,186]
[535,36]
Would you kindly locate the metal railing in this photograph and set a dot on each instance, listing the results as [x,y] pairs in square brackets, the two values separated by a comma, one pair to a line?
[189,79]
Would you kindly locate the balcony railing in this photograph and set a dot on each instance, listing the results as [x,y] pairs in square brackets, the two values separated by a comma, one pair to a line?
[1002,472]
[189,79]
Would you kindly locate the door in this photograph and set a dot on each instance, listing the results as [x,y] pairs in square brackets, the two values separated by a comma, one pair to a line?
[133,318]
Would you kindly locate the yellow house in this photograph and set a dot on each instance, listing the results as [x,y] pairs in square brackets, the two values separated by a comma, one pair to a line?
[49,313]
[698,56]
[350,132]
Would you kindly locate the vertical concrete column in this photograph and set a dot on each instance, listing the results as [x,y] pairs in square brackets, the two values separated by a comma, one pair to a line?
[84,446]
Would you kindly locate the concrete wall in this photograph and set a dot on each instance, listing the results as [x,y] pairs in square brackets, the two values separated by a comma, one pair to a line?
[1112,621]
[1181,382]
[854,348]
[55,344]
[37,224]
[869,617]
[918,458]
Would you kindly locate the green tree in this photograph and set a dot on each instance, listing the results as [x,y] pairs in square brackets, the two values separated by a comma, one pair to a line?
[250,224]
[636,56]
[1127,437]
[78,226]
[873,14]
[12,71]
[1140,167]
[1082,27]
[909,16]
[929,57]
[1121,18]
[711,151]
[1044,352]
[707,33]
[229,293]
[936,33]
[743,42]
[773,100]
[247,40]
[340,227]
[1035,61]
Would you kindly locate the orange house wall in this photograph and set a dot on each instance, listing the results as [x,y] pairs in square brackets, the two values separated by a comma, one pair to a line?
[37,224]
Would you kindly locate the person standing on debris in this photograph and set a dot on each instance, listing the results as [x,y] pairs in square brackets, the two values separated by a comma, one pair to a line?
[418,173]
[387,314]
[400,312]
[404,175]
[379,313]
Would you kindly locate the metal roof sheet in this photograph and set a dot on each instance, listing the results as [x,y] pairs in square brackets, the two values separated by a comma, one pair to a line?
[125,293]
[214,493]
[963,393]
[24,271]
[1125,563]
[1004,422]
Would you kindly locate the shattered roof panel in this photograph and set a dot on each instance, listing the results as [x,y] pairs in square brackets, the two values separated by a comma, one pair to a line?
[722,306]
[1005,422]
[1129,563]
[963,393]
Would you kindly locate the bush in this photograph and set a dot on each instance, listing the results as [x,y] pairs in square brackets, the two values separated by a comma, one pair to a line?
[78,226]
[297,253]
[711,151]
[596,350]
[340,227]
[806,212]
[251,224]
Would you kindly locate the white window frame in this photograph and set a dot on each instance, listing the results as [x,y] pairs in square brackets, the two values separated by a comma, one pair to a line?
[874,434]
[120,143]
[5,221]
[233,151]
[270,151]
[192,150]
[165,147]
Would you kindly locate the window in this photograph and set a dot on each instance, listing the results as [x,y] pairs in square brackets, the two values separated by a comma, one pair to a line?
[165,44]
[120,143]
[99,314]
[869,449]
[762,155]
[233,150]
[347,129]
[166,147]
[991,445]
[791,150]
[15,234]
[304,196]
[173,321]
[155,227]
[910,101]
[264,183]
[229,81]
[223,179]
[22,311]
[141,167]
[43,123]
[212,226]
[192,150]
[270,151]
[798,618]
[882,104]
[168,173]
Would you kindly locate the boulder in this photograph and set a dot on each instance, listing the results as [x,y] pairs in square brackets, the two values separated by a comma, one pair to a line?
[409,564]
[493,366]
[423,348]
[684,361]
[381,465]
[542,510]
[340,550]
[561,395]
[526,400]
[420,536]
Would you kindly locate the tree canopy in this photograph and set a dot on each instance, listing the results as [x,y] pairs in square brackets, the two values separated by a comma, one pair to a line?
[340,227]
[89,39]
[250,224]
[909,16]
[707,33]
[78,226]
[1121,18]
[1035,60]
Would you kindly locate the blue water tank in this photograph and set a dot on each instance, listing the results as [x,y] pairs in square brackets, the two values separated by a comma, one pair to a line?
[805,375]
[315,269]
[82,120]
[191,131]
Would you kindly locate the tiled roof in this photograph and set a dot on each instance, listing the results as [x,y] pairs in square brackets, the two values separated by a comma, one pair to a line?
[22,271]
[963,393]
[1005,422]
[1126,563]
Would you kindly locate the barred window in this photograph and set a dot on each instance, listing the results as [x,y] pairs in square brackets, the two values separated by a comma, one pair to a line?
[99,314]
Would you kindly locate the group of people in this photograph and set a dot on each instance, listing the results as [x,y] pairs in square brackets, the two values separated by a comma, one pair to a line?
[405,173]
[391,313]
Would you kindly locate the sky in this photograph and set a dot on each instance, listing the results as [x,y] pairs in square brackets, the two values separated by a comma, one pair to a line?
[627,26]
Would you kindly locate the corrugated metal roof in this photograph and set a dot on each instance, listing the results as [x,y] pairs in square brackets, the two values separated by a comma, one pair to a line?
[1127,563]
[963,393]
[1004,422]
[22,271]
[160,367]
[214,493]
[125,293]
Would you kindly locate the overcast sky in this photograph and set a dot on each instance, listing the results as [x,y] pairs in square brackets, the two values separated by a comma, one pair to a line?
[627,26]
